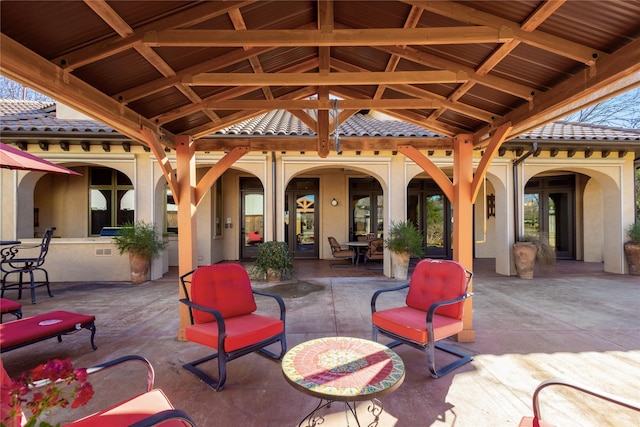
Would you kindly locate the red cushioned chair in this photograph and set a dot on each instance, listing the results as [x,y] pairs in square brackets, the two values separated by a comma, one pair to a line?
[142,410]
[536,420]
[222,311]
[433,311]
[8,306]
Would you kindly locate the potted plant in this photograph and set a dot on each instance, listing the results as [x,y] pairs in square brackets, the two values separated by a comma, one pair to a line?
[530,249]
[274,260]
[632,248]
[404,241]
[141,241]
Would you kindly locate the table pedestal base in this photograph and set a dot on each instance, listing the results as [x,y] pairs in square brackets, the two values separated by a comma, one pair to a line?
[314,419]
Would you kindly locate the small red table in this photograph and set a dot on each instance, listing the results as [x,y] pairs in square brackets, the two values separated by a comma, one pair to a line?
[343,369]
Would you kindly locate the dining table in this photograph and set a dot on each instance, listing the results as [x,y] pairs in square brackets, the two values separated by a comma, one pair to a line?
[357,246]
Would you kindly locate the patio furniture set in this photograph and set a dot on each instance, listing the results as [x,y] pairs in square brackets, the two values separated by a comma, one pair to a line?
[149,408]
[223,314]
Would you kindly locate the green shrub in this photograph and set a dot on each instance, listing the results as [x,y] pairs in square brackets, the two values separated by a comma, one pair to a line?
[274,256]
[139,238]
[405,237]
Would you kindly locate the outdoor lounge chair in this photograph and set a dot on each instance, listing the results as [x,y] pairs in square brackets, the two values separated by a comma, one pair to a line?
[433,311]
[339,252]
[375,251]
[23,259]
[536,420]
[8,306]
[221,307]
[142,410]
[54,324]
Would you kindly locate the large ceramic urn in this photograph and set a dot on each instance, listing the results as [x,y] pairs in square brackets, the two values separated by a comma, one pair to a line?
[140,268]
[524,254]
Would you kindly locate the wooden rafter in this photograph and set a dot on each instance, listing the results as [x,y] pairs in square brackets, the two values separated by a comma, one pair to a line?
[338,37]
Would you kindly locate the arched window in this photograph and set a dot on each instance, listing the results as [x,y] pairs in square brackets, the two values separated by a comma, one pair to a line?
[111,199]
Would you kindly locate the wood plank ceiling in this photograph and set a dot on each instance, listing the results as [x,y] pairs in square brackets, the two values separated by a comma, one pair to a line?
[192,68]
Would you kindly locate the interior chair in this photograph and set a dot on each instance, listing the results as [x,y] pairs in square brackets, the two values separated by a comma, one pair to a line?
[26,259]
[375,251]
[339,252]
[222,313]
[433,310]
[145,409]
[536,420]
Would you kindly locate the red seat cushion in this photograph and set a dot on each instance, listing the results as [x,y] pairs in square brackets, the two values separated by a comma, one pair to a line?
[242,331]
[7,305]
[437,280]
[131,411]
[412,323]
[41,326]
[223,287]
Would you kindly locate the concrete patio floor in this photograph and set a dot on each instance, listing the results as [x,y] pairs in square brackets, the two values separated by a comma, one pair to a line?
[575,322]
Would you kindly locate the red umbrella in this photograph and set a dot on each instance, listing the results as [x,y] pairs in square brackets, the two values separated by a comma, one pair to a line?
[13,158]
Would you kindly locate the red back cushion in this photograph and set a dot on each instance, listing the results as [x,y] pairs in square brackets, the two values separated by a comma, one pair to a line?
[223,287]
[437,280]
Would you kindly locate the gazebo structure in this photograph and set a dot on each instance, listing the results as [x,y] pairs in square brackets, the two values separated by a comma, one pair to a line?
[169,74]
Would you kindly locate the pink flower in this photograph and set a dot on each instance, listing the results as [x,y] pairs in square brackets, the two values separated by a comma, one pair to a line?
[54,373]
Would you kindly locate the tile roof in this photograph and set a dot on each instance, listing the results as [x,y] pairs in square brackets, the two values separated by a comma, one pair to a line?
[40,116]
[573,131]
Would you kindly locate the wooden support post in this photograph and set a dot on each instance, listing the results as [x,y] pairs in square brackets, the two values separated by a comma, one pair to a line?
[463,220]
[187,237]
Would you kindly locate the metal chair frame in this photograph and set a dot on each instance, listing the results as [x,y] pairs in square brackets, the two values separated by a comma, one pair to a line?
[222,355]
[13,263]
[537,417]
[429,346]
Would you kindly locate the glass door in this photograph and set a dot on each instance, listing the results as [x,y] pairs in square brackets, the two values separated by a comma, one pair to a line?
[367,208]
[252,217]
[432,213]
[548,209]
[301,218]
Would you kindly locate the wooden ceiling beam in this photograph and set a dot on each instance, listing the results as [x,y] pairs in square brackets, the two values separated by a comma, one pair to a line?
[25,66]
[318,79]
[615,74]
[545,41]
[417,92]
[337,37]
[114,45]
[230,94]
[326,104]
[213,64]
[309,143]
[503,85]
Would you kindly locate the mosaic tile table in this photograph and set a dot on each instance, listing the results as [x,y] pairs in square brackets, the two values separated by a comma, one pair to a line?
[343,369]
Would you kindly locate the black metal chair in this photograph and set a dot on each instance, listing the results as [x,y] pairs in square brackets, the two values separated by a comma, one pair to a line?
[222,313]
[26,259]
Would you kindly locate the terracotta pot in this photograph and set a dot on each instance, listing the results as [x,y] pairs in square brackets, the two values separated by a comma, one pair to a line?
[400,265]
[140,268]
[273,275]
[632,252]
[524,254]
